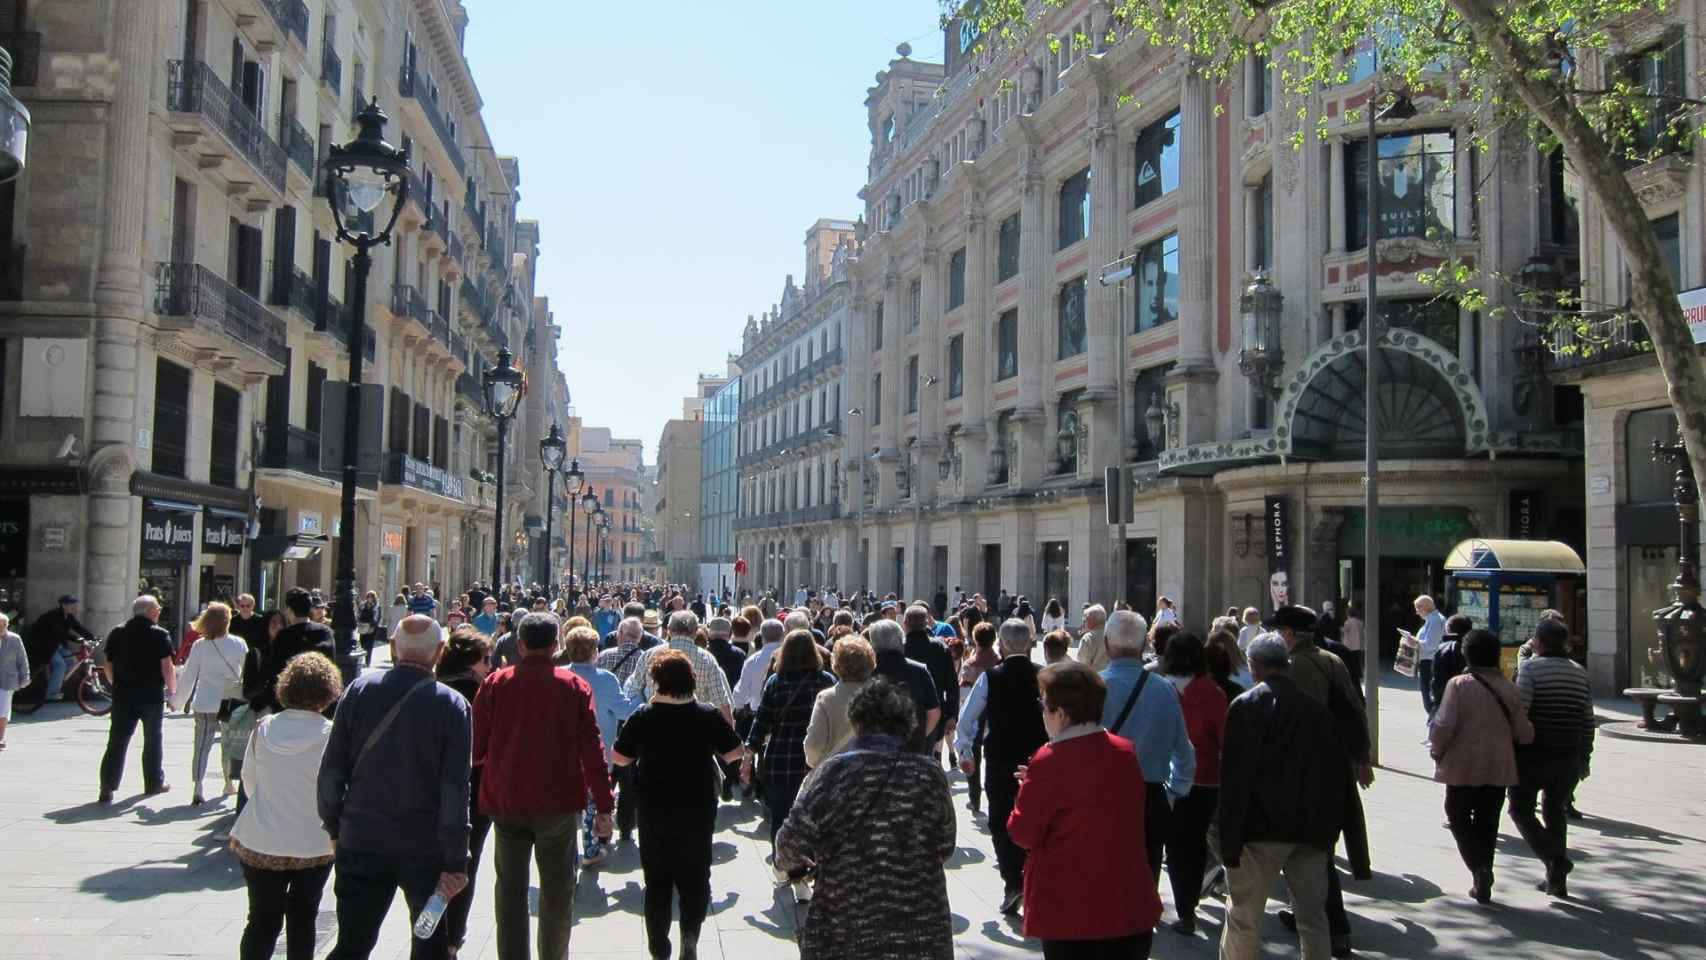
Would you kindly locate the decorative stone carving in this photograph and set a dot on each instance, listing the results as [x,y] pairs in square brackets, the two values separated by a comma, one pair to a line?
[110,468]
[1660,182]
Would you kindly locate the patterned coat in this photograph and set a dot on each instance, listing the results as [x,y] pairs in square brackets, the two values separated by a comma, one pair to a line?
[879,824]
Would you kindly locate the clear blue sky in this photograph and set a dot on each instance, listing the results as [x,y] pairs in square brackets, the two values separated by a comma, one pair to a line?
[674,154]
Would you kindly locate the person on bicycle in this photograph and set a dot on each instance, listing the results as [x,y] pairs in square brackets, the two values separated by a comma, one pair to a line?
[14,671]
[48,637]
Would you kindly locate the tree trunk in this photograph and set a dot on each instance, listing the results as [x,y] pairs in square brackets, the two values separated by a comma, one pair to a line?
[1598,169]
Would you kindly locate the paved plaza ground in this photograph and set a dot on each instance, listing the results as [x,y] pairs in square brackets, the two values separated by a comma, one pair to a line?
[147,878]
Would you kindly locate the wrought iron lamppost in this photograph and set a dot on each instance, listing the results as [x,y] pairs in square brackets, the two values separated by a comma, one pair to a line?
[589,507]
[603,547]
[359,175]
[504,386]
[573,478]
[1682,623]
[594,525]
[551,450]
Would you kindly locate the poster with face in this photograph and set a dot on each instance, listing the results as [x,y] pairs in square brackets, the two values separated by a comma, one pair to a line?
[1276,517]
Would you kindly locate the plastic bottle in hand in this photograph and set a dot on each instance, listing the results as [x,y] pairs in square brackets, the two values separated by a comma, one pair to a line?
[427,922]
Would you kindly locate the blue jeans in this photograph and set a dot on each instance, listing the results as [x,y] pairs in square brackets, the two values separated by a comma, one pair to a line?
[57,665]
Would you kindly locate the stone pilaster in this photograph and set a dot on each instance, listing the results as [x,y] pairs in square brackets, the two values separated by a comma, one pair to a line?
[1035,277]
[1335,194]
[1196,224]
[1106,325]
[932,370]
[976,352]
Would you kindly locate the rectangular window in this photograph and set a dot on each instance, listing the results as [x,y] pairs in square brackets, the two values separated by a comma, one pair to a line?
[956,366]
[915,303]
[1007,249]
[1070,330]
[171,418]
[877,329]
[1158,283]
[227,423]
[314,401]
[399,427]
[1157,166]
[1669,236]
[422,433]
[1007,345]
[956,278]
[1564,226]
[1074,208]
[1262,227]
[876,400]
[1659,71]
[1259,86]
[1417,189]
[912,384]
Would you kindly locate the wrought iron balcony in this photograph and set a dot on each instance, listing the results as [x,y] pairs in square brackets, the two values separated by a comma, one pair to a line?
[476,219]
[406,301]
[331,68]
[299,144]
[298,450]
[25,48]
[456,249]
[415,86]
[291,16]
[468,388]
[190,297]
[473,299]
[1572,347]
[293,289]
[195,90]
[334,320]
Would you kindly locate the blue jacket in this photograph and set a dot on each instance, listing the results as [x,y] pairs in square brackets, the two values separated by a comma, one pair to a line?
[608,701]
[1156,725]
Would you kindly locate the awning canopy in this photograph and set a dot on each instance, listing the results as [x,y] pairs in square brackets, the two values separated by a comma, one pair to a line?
[1519,556]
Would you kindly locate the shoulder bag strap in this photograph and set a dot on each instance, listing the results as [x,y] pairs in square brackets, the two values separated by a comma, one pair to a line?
[1496,699]
[625,658]
[389,718]
[858,820]
[1130,702]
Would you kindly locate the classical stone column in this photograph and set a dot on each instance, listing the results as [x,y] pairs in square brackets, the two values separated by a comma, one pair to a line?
[1196,223]
[976,354]
[119,307]
[1106,325]
[891,398]
[1035,279]
[930,366]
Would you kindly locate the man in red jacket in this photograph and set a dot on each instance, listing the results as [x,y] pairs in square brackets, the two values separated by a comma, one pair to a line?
[536,734]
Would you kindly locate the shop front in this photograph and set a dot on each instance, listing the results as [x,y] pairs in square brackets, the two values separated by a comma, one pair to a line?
[14,553]
[391,545]
[224,534]
[168,548]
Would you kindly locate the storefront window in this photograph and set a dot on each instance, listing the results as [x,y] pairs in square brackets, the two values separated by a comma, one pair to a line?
[1651,570]
[1649,482]
[1417,188]
[1057,571]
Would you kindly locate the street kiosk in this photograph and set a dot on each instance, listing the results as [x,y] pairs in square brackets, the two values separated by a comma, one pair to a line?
[1506,584]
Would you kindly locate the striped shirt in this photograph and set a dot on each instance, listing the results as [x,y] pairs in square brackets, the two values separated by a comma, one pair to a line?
[710,685]
[1559,702]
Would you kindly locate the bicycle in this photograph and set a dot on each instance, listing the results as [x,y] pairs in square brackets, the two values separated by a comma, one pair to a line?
[84,682]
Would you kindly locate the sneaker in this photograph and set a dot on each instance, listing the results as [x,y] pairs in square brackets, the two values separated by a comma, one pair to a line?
[1012,901]
[802,891]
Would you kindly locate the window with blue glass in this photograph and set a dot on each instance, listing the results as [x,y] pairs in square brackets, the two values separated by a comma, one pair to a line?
[1075,208]
[1007,345]
[1416,189]
[1158,283]
[1072,335]
[1156,170]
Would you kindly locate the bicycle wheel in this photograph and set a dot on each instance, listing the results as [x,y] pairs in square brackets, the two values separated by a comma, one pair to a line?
[94,696]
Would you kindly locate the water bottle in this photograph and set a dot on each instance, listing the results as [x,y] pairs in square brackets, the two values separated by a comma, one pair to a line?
[427,922]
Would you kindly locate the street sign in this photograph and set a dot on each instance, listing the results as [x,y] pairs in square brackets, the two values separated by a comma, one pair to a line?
[370,456]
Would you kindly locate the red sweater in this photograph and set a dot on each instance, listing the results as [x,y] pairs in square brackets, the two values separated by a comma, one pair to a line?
[536,736]
[1080,814]
[1204,704]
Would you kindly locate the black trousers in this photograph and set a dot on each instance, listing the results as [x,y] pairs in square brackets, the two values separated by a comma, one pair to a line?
[1157,823]
[1473,813]
[456,914]
[1002,790]
[1121,948]
[1551,781]
[627,799]
[974,781]
[1338,923]
[1187,846]
[1356,830]
[284,901]
[779,794]
[128,711]
[675,860]
[365,885]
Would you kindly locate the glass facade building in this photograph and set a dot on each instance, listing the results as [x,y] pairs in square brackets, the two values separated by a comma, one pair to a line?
[718,489]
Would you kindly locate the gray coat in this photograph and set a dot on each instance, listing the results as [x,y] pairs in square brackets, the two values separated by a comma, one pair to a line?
[14,662]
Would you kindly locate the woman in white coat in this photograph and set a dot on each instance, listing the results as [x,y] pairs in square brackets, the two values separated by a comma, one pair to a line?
[211,677]
[285,851]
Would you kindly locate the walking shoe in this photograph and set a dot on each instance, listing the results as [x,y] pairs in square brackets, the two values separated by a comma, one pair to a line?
[1341,945]
[1481,890]
[802,891]
[157,789]
[1011,902]
[1184,926]
[230,789]
[197,800]
[106,798]
[689,946]
[1570,808]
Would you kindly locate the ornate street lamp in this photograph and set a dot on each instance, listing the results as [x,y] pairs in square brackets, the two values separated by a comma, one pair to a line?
[1263,357]
[603,546]
[504,387]
[14,124]
[1682,623]
[360,175]
[590,507]
[573,478]
[551,450]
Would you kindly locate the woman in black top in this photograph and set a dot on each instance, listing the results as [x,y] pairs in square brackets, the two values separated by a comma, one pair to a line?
[462,667]
[674,741]
[779,730]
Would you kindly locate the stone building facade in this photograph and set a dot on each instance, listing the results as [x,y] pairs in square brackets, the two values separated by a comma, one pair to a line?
[176,304]
[677,507]
[998,377]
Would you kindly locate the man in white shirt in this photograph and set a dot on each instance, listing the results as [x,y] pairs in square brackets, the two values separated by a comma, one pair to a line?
[1433,629]
[750,690]
[830,599]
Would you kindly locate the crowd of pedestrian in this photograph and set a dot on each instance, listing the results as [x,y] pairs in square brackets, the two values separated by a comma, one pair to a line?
[563,728]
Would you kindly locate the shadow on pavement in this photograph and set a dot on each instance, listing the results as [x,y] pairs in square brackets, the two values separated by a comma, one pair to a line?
[92,812]
[780,919]
[1400,888]
[206,867]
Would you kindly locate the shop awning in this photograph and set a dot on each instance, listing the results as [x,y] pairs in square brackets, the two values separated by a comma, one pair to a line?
[1519,556]
[286,546]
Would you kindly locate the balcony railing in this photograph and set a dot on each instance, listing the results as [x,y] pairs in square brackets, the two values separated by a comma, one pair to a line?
[475,217]
[25,48]
[456,249]
[331,68]
[413,85]
[406,301]
[334,321]
[299,144]
[292,17]
[473,298]
[299,450]
[789,518]
[193,291]
[468,388]
[1596,342]
[193,87]
[293,289]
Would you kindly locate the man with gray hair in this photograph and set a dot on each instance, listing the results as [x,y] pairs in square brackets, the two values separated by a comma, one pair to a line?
[1148,714]
[1282,781]
[139,668]
[709,684]
[622,658]
[393,791]
[893,665]
[750,690]
[1092,650]
[923,647]
[1003,704]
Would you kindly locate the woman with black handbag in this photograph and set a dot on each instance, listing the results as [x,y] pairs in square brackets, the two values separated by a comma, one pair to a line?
[209,681]
[778,733]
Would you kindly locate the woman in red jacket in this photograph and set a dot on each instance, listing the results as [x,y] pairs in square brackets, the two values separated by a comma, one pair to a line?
[1204,704]
[1088,890]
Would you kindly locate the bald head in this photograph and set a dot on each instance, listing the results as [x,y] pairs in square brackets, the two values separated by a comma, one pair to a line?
[417,640]
[1124,634]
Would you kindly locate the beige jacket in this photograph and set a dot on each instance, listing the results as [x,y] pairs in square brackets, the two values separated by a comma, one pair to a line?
[829,730]
[1093,650]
